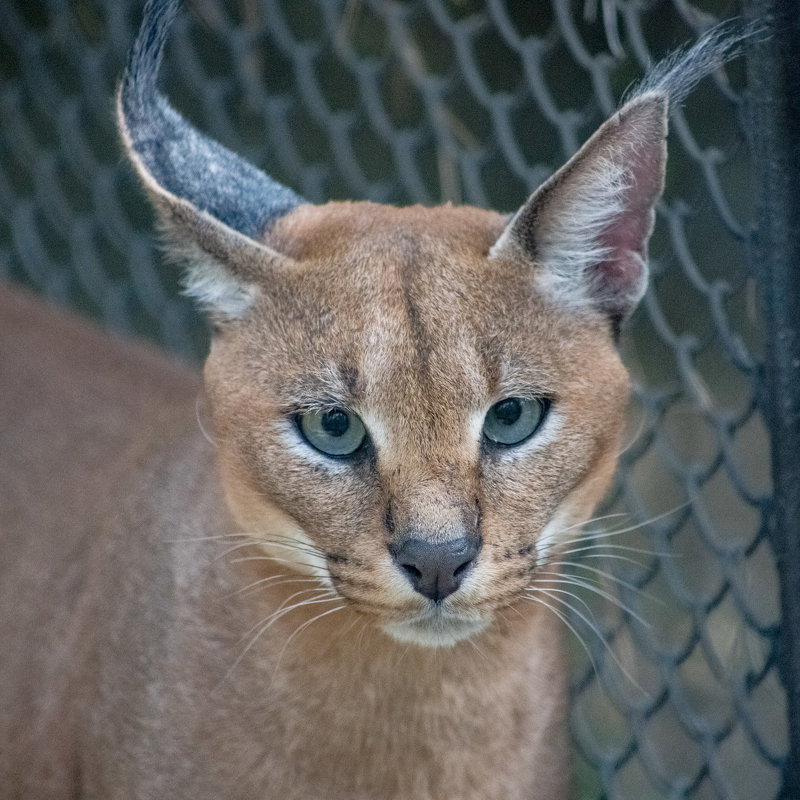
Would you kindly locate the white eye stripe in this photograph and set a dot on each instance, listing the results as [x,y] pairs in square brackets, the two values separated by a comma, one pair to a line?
[476,425]
[376,430]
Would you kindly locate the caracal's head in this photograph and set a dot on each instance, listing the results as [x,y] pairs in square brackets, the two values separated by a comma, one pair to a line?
[418,408]
[415,405]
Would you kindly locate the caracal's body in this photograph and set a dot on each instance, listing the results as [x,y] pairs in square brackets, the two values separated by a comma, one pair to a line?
[328,569]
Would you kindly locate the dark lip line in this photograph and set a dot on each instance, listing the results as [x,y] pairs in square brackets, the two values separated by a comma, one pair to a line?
[486,606]
[437,611]
[367,607]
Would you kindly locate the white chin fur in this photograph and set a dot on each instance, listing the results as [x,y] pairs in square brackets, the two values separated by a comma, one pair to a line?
[436,629]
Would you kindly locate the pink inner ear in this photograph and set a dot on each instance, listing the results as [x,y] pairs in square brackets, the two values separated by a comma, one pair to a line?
[620,282]
[627,234]
[631,229]
[623,274]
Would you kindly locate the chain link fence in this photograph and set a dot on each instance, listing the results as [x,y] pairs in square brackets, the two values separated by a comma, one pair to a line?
[676,686]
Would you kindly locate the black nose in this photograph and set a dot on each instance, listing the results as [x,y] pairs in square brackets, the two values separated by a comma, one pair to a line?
[436,569]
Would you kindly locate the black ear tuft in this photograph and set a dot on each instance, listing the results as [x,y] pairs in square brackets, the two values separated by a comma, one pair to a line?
[214,206]
[179,159]
[677,74]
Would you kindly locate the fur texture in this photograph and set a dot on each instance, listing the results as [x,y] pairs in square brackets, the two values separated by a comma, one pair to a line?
[226,609]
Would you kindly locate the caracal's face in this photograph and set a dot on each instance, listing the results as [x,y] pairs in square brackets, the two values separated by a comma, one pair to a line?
[491,418]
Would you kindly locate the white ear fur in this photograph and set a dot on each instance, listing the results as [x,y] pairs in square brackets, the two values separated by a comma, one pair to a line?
[212,286]
[571,241]
[223,268]
[586,228]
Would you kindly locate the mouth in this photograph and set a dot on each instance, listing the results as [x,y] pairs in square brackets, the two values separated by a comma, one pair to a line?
[437,627]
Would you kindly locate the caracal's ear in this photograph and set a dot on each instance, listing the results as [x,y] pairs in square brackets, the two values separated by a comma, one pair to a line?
[586,229]
[214,206]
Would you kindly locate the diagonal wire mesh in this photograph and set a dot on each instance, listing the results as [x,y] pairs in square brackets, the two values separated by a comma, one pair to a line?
[474,101]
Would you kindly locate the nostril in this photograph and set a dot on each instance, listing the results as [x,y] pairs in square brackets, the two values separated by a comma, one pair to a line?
[460,571]
[411,571]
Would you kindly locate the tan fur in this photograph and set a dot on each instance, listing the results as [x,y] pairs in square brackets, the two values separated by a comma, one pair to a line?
[132,667]
[198,604]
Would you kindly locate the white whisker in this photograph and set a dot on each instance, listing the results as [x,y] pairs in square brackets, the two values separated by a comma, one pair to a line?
[287,606]
[619,531]
[271,581]
[604,555]
[592,520]
[292,544]
[550,591]
[278,560]
[572,580]
[593,627]
[605,547]
[302,627]
[563,617]
[263,626]
[210,538]
[639,429]
[609,576]
[236,547]
[206,435]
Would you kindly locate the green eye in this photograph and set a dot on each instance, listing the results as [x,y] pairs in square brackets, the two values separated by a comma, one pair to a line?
[335,432]
[513,420]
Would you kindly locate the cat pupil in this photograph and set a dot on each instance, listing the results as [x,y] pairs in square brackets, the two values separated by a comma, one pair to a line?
[508,411]
[335,422]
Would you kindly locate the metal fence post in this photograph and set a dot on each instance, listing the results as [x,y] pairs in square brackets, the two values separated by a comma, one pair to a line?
[774,80]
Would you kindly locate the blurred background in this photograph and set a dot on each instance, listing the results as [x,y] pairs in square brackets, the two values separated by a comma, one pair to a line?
[675,607]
